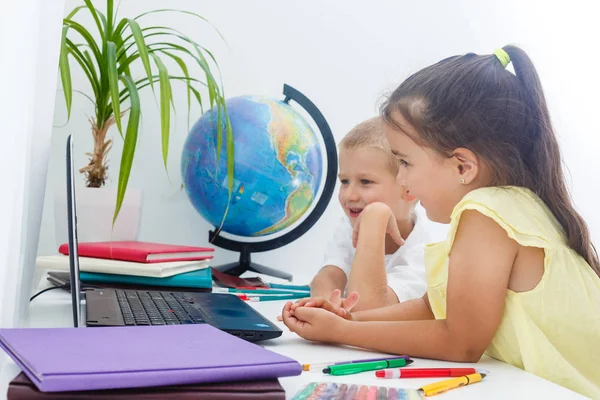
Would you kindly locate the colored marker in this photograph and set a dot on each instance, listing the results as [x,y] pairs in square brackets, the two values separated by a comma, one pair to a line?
[275,297]
[305,288]
[355,368]
[246,297]
[449,384]
[259,291]
[351,392]
[321,365]
[423,372]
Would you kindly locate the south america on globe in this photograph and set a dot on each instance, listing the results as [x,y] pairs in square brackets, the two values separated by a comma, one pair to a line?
[278,167]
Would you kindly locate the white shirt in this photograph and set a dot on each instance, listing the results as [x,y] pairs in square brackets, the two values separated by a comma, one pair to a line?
[405,268]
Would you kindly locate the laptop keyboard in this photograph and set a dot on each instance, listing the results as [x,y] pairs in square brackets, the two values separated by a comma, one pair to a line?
[157,308]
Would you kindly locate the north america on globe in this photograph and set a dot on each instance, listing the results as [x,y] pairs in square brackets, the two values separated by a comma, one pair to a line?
[278,167]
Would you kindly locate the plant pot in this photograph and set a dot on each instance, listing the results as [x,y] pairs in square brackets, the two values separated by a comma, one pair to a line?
[95,210]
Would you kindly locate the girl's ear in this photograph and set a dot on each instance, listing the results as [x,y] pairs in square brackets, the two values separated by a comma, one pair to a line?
[467,165]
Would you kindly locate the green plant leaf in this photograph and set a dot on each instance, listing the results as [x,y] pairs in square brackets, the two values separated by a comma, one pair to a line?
[230,145]
[87,37]
[102,18]
[165,111]
[109,18]
[142,83]
[75,11]
[129,144]
[199,99]
[120,28]
[184,69]
[119,43]
[113,82]
[65,71]
[141,46]
[183,12]
[170,32]
[90,63]
[88,68]
[86,96]
[92,10]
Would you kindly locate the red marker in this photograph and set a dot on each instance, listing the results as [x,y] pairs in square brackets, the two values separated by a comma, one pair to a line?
[423,372]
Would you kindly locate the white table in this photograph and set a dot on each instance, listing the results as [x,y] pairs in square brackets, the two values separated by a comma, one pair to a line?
[53,309]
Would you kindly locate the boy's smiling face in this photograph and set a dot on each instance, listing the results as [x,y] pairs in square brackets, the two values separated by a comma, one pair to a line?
[366,177]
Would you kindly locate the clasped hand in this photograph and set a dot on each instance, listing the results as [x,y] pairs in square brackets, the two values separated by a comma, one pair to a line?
[319,318]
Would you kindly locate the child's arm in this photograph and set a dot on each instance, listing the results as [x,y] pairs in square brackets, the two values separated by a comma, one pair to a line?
[327,280]
[411,310]
[368,275]
[481,261]
[370,280]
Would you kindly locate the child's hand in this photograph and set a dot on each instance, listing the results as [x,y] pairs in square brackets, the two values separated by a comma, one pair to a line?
[313,323]
[336,304]
[346,304]
[374,215]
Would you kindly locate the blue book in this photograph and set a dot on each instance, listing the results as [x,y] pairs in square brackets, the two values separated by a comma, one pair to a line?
[201,278]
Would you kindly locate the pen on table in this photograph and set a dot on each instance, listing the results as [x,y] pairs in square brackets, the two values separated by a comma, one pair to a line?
[319,366]
[423,372]
[449,384]
[265,297]
[273,297]
[259,291]
[355,368]
[305,288]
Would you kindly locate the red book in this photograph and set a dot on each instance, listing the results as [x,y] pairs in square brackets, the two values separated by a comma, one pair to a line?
[142,252]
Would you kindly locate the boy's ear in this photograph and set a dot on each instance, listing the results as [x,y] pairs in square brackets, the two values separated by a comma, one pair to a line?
[467,165]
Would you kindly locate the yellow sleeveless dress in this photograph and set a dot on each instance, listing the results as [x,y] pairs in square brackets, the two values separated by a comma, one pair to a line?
[553,330]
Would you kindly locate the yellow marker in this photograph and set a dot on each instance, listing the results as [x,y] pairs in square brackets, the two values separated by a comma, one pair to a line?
[448,384]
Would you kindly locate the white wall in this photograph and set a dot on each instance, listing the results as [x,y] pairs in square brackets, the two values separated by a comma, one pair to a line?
[29,44]
[344,56]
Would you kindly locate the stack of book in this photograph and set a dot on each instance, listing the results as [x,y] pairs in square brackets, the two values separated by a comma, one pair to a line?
[133,263]
[195,361]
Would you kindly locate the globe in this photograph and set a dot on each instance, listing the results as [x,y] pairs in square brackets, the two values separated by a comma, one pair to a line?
[278,167]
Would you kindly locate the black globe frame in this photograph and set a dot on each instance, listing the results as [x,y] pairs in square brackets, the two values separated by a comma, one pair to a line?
[246,248]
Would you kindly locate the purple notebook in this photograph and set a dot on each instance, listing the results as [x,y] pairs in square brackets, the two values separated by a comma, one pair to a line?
[64,359]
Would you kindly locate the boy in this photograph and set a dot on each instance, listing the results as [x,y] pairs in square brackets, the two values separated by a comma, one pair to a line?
[367,172]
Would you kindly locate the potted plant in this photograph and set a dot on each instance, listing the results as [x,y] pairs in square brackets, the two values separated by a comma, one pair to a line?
[106,57]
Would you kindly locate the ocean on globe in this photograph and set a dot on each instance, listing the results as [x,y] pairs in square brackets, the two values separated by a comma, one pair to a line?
[278,167]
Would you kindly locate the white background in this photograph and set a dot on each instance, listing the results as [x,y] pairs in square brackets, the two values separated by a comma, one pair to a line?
[344,56]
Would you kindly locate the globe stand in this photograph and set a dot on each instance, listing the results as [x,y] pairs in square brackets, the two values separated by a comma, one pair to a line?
[239,267]
[246,248]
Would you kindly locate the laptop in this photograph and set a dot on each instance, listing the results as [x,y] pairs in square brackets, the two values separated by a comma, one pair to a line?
[129,307]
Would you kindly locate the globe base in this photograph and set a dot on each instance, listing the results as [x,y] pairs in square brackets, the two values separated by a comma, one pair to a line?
[238,268]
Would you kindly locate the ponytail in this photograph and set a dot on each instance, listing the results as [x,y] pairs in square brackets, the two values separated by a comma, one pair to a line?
[545,162]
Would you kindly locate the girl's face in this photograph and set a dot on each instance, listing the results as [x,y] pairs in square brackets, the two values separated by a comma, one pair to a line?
[429,176]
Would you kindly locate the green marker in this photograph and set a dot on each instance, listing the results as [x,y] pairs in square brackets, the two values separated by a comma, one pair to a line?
[355,368]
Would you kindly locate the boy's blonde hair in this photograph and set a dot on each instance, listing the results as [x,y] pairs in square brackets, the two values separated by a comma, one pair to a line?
[370,134]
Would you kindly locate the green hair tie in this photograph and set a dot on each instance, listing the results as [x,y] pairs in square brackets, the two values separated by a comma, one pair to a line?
[502,56]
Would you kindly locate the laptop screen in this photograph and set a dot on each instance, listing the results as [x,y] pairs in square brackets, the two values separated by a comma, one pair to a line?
[75,283]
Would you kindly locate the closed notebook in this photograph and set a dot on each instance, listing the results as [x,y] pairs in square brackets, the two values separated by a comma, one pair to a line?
[61,279]
[195,279]
[143,252]
[99,265]
[21,388]
[77,359]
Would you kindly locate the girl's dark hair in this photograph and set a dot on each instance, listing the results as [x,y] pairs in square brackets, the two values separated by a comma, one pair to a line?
[473,102]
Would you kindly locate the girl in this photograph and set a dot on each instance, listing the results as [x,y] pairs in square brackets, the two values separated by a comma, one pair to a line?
[517,277]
